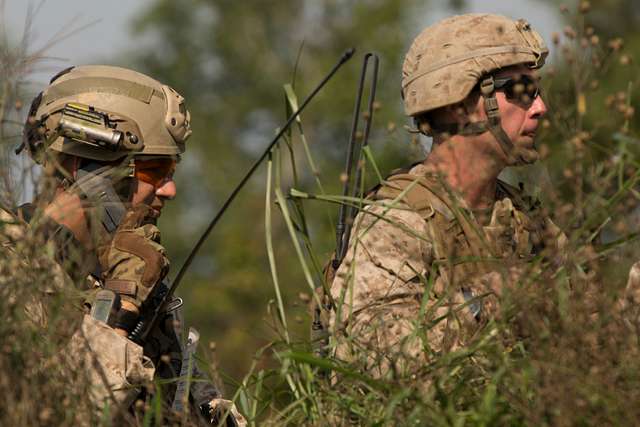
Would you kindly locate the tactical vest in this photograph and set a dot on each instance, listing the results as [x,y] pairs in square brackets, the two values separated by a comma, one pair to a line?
[165,339]
[454,233]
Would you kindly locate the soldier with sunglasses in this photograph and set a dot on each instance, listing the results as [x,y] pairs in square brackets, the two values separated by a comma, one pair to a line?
[430,256]
[109,140]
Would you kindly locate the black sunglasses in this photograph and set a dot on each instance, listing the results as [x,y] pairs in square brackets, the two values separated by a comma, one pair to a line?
[522,88]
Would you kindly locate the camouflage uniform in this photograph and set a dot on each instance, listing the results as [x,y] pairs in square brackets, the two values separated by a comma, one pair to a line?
[411,240]
[423,272]
[117,376]
[119,128]
[424,275]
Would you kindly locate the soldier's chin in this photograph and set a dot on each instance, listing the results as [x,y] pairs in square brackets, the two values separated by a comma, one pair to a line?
[153,216]
[524,156]
[150,219]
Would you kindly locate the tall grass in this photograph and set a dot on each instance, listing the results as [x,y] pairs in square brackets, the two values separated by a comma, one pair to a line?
[563,349]
[35,299]
[43,381]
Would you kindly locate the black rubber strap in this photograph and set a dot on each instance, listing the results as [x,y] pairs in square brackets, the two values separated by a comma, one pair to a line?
[125,319]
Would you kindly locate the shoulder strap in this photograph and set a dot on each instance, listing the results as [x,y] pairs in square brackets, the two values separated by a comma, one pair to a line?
[418,194]
[426,195]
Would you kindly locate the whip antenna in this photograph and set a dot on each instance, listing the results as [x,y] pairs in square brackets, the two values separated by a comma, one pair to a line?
[141,330]
[354,149]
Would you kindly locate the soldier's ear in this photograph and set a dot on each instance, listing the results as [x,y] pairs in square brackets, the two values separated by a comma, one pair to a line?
[460,113]
[471,107]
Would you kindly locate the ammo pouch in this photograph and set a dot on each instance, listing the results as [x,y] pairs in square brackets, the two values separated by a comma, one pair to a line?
[116,367]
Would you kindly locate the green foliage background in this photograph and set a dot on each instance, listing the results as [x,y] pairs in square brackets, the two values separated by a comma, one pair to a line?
[230,60]
[231,64]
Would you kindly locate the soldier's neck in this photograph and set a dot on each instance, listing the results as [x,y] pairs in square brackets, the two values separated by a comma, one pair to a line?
[467,170]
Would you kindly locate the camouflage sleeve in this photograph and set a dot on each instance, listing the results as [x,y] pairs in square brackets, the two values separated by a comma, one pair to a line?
[29,272]
[378,289]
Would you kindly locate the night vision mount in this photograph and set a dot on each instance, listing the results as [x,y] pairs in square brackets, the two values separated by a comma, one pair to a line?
[84,124]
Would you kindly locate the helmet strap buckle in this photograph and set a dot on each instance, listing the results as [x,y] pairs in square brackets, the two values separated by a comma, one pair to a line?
[487,87]
[492,110]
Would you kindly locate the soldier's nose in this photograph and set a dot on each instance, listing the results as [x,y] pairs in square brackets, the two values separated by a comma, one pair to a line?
[538,108]
[167,190]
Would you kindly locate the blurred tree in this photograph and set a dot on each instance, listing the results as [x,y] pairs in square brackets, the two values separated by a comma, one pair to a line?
[594,70]
[591,89]
[230,59]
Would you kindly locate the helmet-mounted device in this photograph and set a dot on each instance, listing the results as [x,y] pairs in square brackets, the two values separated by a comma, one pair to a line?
[105,113]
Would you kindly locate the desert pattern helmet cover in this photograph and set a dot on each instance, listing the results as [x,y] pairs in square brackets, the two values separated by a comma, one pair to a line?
[448,59]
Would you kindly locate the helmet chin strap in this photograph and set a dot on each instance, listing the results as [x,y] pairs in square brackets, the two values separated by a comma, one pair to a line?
[95,181]
[493,125]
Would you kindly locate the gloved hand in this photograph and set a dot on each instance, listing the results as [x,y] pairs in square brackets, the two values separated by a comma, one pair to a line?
[218,408]
[133,263]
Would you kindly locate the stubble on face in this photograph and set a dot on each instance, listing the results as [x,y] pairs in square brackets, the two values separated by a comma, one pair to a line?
[145,193]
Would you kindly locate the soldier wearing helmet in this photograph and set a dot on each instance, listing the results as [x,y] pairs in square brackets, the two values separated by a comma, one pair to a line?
[109,140]
[470,82]
[112,137]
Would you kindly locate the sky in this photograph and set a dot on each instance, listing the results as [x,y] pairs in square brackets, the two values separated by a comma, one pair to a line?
[541,15]
[96,31]
[107,25]
[103,29]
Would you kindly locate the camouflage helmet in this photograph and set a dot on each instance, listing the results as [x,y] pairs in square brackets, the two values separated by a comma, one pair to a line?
[449,58]
[105,113]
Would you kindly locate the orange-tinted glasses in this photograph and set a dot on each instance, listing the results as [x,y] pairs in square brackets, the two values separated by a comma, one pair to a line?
[154,171]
